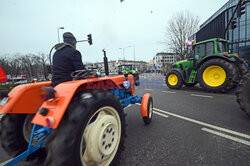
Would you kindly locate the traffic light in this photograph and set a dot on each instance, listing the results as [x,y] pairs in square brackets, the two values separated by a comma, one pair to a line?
[49,69]
[90,39]
[233,23]
[241,8]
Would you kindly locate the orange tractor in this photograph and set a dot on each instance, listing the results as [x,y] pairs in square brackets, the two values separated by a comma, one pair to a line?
[80,122]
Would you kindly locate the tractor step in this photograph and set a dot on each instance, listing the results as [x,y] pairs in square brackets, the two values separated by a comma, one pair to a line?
[192,76]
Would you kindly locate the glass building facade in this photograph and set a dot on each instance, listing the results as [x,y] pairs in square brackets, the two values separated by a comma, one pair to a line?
[239,37]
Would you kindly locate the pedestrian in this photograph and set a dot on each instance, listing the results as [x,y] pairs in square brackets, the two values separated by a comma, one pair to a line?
[66,60]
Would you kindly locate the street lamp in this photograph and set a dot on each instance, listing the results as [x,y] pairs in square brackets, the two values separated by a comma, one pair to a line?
[134,55]
[58,33]
[124,51]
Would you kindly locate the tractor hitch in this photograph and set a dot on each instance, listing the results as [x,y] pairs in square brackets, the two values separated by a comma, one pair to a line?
[39,133]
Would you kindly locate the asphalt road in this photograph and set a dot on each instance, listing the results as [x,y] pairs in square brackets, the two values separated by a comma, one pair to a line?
[189,127]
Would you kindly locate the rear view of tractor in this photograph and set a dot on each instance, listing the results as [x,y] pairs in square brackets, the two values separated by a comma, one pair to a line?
[243,94]
[80,122]
[211,65]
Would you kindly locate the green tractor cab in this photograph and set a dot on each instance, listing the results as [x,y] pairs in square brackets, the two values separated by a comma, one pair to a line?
[210,64]
[126,69]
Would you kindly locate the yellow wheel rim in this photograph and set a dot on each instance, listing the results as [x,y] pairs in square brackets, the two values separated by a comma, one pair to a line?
[214,76]
[172,79]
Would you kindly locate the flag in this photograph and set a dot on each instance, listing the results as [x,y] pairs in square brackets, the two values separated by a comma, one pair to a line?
[3,77]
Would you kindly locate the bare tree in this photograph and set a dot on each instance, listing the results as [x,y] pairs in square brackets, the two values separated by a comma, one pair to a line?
[29,65]
[41,60]
[180,27]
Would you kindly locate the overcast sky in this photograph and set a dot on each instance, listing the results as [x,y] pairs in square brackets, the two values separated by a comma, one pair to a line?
[30,26]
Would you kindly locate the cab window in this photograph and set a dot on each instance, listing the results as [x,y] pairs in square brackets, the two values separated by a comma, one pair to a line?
[199,51]
[221,47]
[209,48]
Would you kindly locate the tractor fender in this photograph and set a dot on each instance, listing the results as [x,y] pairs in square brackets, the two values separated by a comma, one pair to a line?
[227,58]
[65,92]
[180,71]
[24,99]
[144,105]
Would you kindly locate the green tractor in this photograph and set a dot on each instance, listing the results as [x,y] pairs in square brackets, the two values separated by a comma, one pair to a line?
[211,65]
[126,69]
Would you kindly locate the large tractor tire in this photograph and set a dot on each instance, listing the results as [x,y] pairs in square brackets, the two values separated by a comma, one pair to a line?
[243,69]
[15,135]
[91,132]
[243,94]
[216,75]
[174,80]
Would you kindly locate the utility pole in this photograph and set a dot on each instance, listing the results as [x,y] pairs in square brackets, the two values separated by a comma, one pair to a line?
[134,56]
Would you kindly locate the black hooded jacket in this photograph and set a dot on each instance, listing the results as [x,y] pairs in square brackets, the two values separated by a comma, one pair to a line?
[65,61]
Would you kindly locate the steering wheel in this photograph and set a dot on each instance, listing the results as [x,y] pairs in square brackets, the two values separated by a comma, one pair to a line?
[79,74]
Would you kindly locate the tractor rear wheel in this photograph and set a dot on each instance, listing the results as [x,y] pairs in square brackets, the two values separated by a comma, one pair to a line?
[15,135]
[216,75]
[174,80]
[243,94]
[91,132]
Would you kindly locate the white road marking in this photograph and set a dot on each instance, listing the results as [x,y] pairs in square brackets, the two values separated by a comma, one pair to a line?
[163,115]
[5,162]
[128,106]
[1,115]
[149,89]
[205,124]
[196,95]
[168,92]
[226,136]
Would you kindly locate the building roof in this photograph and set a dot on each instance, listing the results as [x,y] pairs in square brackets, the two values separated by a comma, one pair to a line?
[164,53]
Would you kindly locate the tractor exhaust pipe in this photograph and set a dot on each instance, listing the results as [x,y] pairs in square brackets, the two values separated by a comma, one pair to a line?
[106,66]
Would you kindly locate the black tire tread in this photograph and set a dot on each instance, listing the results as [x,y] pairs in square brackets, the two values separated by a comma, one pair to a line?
[243,94]
[12,139]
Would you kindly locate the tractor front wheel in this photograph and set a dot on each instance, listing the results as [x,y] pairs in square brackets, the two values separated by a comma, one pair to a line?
[174,80]
[91,132]
[147,109]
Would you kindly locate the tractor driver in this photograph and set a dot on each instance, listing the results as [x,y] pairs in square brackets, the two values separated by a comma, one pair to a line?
[66,60]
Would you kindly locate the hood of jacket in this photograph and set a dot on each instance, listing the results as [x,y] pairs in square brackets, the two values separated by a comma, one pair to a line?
[62,45]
